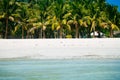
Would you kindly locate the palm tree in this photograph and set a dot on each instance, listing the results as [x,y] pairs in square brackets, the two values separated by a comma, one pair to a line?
[8,7]
[75,17]
[58,15]
[43,7]
[96,16]
[23,15]
[43,18]
[112,19]
[26,18]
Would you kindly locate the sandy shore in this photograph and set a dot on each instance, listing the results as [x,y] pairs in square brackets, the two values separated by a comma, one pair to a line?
[60,48]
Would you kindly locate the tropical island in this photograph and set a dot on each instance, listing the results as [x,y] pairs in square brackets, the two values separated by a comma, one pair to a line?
[58,19]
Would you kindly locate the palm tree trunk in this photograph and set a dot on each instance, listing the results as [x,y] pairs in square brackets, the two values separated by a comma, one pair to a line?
[77,31]
[22,32]
[6,32]
[88,33]
[93,34]
[61,32]
[43,33]
[55,34]
[111,33]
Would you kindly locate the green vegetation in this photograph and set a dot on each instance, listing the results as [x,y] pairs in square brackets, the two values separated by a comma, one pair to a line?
[57,18]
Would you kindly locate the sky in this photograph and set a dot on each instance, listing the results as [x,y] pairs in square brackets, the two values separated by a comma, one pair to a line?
[114,2]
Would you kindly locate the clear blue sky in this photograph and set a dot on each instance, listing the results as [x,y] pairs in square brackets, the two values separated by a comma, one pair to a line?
[114,2]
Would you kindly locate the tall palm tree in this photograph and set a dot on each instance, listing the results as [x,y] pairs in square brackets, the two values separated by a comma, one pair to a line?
[8,7]
[112,19]
[26,18]
[62,17]
[22,21]
[60,13]
[44,9]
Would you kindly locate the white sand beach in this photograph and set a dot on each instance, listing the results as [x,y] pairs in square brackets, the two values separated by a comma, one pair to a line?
[60,48]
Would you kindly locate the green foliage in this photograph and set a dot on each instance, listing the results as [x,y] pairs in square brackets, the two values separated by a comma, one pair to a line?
[68,36]
[57,18]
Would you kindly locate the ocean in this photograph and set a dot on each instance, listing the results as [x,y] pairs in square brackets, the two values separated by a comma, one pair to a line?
[60,69]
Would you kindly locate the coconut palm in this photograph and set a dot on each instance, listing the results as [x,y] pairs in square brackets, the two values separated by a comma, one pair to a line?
[43,7]
[59,15]
[7,9]
[26,18]
[22,17]
[57,18]
[112,19]
[74,21]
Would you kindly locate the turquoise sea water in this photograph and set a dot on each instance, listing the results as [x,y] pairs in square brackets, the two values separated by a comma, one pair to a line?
[77,69]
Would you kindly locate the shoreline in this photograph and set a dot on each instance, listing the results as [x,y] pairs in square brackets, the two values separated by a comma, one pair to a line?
[67,58]
[103,48]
